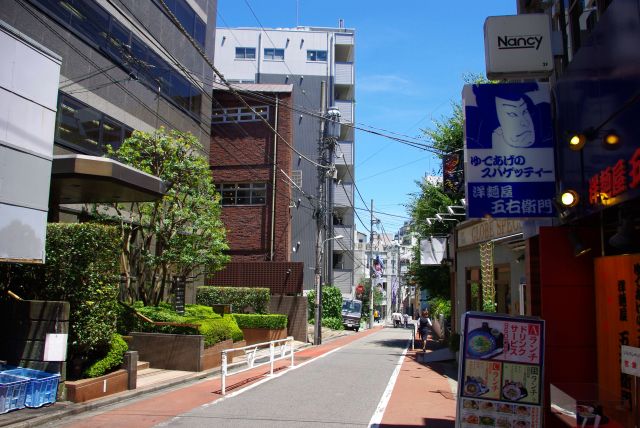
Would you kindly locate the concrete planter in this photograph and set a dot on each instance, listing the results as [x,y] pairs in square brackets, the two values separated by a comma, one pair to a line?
[258,335]
[83,390]
[180,352]
[212,356]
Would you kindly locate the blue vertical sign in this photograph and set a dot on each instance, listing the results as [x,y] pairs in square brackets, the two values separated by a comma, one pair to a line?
[509,150]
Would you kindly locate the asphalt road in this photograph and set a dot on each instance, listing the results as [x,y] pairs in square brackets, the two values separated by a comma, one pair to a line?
[341,389]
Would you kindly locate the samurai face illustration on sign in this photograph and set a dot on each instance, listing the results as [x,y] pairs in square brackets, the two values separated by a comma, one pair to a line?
[516,126]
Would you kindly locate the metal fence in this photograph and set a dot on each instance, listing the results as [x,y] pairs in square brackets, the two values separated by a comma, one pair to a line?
[256,358]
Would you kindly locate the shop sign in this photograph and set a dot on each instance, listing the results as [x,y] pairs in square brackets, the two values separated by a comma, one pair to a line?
[453,174]
[509,152]
[500,377]
[433,250]
[487,230]
[617,284]
[518,46]
[614,180]
[630,361]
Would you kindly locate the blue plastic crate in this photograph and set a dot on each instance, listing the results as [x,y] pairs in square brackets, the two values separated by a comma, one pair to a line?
[13,392]
[42,387]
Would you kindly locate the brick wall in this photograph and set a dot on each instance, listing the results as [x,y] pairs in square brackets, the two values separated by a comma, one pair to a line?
[279,277]
[242,152]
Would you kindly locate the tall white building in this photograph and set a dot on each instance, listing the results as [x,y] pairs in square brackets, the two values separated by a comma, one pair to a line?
[305,57]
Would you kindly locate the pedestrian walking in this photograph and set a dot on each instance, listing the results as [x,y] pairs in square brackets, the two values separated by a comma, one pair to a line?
[424,324]
[376,316]
[405,320]
[397,317]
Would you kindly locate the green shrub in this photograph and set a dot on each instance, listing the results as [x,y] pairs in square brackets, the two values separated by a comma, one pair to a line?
[219,329]
[333,323]
[112,360]
[331,302]
[212,326]
[242,299]
[272,321]
[440,306]
[82,268]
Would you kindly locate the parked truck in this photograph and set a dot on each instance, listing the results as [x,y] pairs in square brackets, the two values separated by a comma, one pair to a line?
[351,313]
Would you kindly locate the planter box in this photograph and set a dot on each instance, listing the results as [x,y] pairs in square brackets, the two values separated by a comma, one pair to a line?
[83,390]
[179,352]
[212,356]
[258,335]
[169,351]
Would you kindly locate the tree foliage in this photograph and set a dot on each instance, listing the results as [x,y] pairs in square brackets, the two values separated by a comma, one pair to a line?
[180,233]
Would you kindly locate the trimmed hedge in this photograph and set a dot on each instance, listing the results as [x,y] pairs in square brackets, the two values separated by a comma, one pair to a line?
[242,299]
[82,268]
[212,326]
[112,360]
[272,321]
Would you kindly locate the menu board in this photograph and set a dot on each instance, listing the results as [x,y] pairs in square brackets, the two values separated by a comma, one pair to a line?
[500,375]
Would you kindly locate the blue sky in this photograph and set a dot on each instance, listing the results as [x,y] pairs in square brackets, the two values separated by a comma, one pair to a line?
[411,59]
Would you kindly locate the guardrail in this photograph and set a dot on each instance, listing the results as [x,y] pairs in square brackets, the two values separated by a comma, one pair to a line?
[251,352]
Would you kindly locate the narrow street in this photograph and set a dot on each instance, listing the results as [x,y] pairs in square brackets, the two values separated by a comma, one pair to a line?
[341,385]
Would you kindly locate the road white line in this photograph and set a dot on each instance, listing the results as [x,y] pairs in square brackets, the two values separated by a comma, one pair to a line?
[268,378]
[384,400]
[253,385]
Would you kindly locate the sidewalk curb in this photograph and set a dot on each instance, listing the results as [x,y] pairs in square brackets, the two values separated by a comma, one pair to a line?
[73,409]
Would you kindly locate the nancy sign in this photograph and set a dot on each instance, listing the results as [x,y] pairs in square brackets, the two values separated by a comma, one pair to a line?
[509,152]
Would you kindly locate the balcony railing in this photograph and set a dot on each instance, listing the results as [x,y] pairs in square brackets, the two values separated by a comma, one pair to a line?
[343,279]
[343,194]
[346,242]
[344,153]
[344,73]
[344,39]
[346,110]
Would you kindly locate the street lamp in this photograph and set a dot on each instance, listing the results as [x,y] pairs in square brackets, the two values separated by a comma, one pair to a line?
[317,331]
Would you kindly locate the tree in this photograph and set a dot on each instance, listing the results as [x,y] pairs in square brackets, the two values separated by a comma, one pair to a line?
[179,234]
[426,204]
[447,136]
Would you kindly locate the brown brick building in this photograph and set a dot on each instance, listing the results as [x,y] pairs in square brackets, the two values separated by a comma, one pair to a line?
[243,150]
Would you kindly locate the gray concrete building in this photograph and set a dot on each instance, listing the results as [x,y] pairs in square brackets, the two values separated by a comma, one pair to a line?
[125,65]
[305,57]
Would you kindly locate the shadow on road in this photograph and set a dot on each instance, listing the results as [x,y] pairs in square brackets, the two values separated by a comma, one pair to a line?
[391,343]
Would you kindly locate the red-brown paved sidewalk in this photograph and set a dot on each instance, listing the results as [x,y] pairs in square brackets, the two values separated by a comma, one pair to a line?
[422,396]
[164,406]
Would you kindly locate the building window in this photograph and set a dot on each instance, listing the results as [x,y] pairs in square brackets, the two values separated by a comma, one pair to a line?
[243,193]
[239,114]
[296,177]
[188,18]
[93,24]
[241,80]
[271,54]
[86,129]
[245,53]
[317,56]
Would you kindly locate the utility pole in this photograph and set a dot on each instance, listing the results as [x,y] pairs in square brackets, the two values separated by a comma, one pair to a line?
[371,293]
[329,134]
[320,222]
[399,307]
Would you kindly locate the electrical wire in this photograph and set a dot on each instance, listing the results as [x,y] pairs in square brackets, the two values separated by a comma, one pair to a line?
[272,44]
[93,64]
[178,24]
